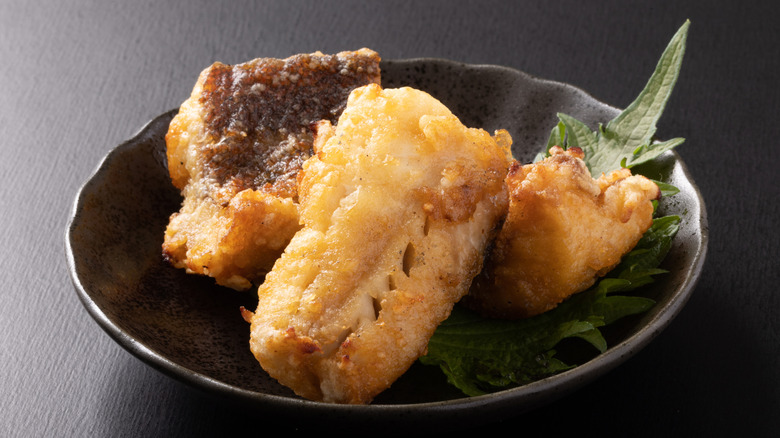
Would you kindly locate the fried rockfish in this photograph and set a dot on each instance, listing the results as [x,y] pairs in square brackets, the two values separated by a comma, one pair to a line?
[563,230]
[234,150]
[397,206]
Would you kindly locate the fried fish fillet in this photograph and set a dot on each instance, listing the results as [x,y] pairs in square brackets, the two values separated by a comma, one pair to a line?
[234,150]
[563,230]
[398,205]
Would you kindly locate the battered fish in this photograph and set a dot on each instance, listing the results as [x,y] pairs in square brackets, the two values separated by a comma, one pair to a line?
[398,205]
[563,230]
[235,149]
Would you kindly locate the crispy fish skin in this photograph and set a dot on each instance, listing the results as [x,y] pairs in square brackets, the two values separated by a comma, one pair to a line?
[398,205]
[234,150]
[563,230]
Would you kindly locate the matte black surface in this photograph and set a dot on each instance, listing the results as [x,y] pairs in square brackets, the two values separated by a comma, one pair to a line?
[80,77]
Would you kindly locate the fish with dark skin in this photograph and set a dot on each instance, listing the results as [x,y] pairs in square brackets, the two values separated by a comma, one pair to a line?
[234,150]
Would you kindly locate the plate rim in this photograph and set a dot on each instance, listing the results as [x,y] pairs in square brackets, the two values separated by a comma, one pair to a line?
[536,391]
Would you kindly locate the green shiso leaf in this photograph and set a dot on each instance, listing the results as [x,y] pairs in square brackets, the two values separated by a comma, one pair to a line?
[557,137]
[627,140]
[666,188]
[480,355]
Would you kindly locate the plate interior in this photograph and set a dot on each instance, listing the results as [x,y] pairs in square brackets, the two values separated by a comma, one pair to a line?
[191,329]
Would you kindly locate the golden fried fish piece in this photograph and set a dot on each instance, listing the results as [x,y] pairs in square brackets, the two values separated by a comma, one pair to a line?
[234,150]
[398,205]
[563,230]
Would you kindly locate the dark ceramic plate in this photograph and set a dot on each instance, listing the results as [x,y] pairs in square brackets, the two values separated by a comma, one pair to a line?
[190,329]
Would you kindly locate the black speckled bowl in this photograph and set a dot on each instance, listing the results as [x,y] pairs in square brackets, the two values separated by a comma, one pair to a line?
[192,330]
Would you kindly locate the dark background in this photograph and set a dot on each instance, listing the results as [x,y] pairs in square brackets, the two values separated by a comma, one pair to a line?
[80,77]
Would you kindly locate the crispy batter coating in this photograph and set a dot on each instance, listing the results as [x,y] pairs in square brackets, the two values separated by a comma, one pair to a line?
[235,149]
[398,206]
[563,230]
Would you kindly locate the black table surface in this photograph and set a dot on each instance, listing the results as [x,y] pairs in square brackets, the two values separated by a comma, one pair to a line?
[80,76]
